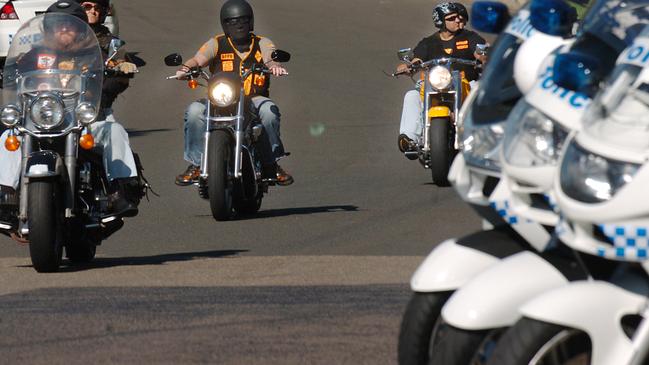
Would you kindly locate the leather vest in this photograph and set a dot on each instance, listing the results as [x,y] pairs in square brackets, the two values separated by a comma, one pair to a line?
[228,60]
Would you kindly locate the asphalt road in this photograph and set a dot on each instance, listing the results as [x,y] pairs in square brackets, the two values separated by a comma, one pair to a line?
[319,276]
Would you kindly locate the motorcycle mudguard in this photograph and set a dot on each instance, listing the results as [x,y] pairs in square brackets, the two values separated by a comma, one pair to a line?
[439,112]
[595,307]
[456,261]
[43,164]
[493,298]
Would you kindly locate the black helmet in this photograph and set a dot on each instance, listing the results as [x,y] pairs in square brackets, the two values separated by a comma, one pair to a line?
[104,4]
[462,11]
[237,9]
[442,10]
[68,7]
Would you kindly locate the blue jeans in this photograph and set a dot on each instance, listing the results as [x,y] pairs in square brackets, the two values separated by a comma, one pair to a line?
[411,123]
[270,142]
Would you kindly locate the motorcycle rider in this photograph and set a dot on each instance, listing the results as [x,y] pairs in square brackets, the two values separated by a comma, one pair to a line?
[239,48]
[452,40]
[111,141]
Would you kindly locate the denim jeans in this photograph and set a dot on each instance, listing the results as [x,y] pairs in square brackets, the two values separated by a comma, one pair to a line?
[270,142]
[411,123]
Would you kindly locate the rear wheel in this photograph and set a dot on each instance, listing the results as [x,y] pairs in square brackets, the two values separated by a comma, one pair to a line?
[249,206]
[45,242]
[82,251]
[219,185]
[442,151]
[538,343]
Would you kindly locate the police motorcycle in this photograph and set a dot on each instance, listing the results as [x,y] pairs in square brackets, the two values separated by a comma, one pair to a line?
[475,174]
[477,314]
[231,168]
[50,98]
[443,88]
[601,191]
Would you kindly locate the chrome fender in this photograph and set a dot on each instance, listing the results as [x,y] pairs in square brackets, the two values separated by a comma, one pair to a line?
[449,266]
[493,298]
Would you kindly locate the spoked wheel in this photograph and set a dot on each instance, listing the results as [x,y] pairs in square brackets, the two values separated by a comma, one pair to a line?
[418,325]
[441,150]
[45,237]
[219,185]
[538,343]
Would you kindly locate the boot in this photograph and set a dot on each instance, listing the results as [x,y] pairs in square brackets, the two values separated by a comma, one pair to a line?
[125,197]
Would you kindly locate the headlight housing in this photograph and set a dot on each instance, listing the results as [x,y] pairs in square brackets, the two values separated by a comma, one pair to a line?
[10,116]
[439,77]
[222,94]
[481,145]
[85,113]
[532,139]
[590,178]
[47,111]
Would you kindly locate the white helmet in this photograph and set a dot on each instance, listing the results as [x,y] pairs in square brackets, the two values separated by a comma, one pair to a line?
[530,56]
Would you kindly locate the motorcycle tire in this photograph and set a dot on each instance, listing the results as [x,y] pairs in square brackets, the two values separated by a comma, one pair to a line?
[81,252]
[45,246]
[455,346]
[249,206]
[417,327]
[441,150]
[219,185]
[531,342]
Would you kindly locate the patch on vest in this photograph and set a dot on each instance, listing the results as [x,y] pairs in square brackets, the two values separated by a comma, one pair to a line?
[227,66]
[66,65]
[258,56]
[448,50]
[45,61]
[462,44]
[227,56]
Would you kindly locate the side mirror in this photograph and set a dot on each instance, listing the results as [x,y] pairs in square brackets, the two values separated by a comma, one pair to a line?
[489,16]
[405,54]
[280,56]
[553,17]
[115,45]
[174,59]
[576,71]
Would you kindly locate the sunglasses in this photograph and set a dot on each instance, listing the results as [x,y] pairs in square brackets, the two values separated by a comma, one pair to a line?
[454,18]
[91,6]
[237,21]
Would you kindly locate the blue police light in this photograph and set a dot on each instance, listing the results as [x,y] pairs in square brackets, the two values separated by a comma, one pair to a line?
[489,16]
[575,71]
[553,17]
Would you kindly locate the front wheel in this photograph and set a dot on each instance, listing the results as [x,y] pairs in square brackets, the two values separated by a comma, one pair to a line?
[219,184]
[455,346]
[442,150]
[45,246]
[418,325]
[537,343]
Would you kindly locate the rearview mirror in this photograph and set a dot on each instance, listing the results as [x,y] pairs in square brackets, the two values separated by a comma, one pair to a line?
[280,56]
[115,44]
[489,16]
[174,59]
[405,54]
[553,17]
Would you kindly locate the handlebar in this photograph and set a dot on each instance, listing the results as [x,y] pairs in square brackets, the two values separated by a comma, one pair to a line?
[436,62]
[196,72]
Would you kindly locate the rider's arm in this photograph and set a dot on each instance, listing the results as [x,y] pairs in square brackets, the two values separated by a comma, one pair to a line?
[420,53]
[267,48]
[201,59]
[474,40]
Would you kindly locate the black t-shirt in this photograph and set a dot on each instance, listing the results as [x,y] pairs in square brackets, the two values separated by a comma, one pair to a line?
[462,46]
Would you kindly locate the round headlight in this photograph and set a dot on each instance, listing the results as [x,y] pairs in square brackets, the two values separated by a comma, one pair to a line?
[222,94]
[47,112]
[10,116]
[439,77]
[85,113]
[481,145]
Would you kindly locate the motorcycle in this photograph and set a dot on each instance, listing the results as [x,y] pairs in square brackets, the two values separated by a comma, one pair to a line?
[51,97]
[443,89]
[231,170]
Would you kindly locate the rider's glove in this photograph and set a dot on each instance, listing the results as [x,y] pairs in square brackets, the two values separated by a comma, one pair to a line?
[127,67]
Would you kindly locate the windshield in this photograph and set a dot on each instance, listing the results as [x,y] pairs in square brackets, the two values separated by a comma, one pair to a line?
[54,53]
[616,22]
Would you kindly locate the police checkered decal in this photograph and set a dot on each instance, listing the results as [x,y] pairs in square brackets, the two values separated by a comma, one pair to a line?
[629,241]
[503,209]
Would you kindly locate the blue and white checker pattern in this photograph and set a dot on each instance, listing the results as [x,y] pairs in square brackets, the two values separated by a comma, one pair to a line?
[504,210]
[630,242]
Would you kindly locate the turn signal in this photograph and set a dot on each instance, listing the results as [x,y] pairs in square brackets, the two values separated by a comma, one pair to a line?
[192,84]
[12,143]
[87,141]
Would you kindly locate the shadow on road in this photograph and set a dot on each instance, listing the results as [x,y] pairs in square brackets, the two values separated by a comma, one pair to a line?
[107,262]
[272,213]
[133,133]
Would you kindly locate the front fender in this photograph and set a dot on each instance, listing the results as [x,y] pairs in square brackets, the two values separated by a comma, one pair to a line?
[43,164]
[449,266]
[595,307]
[439,112]
[492,299]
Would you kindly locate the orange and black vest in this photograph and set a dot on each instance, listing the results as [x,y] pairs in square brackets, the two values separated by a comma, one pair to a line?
[228,60]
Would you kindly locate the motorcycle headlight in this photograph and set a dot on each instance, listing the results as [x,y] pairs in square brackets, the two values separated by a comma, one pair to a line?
[532,139]
[481,145]
[222,94]
[439,77]
[47,112]
[590,178]
[85,113]
[10,116]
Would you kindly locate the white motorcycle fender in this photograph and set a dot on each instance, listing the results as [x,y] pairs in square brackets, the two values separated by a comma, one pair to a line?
[595,307]
[449,266]
[492,299]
